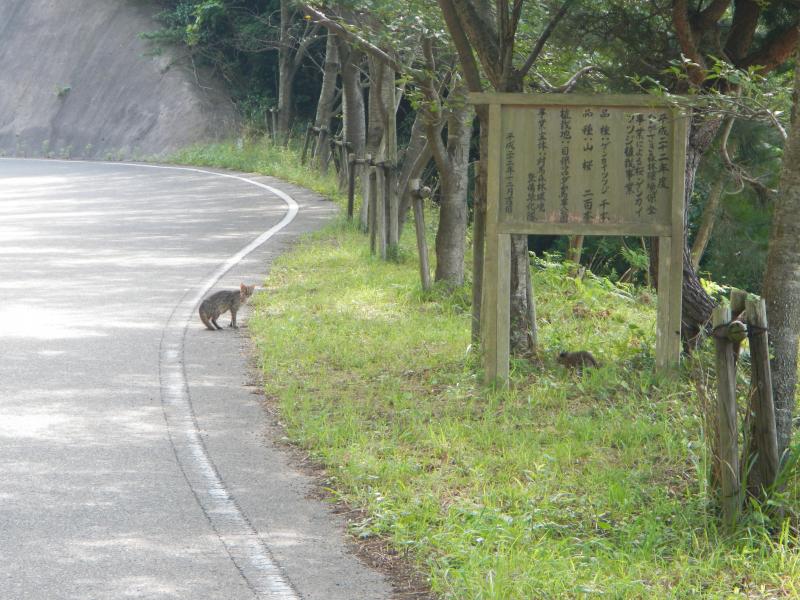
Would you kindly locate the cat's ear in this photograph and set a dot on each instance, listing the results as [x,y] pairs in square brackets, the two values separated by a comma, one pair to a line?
[242,287]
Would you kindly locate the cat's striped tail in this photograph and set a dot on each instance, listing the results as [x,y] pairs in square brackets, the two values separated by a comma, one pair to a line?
[204,318]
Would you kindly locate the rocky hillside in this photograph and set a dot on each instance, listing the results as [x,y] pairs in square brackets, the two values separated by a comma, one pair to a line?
[76,80]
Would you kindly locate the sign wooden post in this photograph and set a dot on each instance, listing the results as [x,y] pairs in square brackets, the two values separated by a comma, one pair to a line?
[585,165]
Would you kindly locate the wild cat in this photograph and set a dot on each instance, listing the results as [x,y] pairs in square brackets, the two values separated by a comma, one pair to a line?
[227,300]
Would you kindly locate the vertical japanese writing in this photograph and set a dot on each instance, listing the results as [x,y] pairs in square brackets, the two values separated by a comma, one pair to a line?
[634,164]
[588,163]
[652,171]
[541,147]
[531,196]
[605,142]
[638,186]
[628,152]
[508,205]
[663,152]
[565,133]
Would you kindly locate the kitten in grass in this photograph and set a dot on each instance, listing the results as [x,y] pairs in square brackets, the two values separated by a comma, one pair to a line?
[577,360]
[220,302]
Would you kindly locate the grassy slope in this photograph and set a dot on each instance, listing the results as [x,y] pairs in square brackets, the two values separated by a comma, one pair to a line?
[561,486]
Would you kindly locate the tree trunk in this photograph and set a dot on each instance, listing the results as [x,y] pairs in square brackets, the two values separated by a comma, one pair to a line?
[382,141]
[697,304]
[353,111]
[479,226]
[521,297]
[415,158]
[285,99]
[781,287]
[327,97]
[522,328]
[707,222]
[575,248]
[285,76]
[375,101]
[453,215]
[389,155]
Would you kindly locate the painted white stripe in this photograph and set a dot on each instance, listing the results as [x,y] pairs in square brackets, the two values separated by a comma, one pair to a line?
[246,548]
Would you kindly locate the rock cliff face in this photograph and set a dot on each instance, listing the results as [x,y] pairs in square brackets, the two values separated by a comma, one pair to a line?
[76,81]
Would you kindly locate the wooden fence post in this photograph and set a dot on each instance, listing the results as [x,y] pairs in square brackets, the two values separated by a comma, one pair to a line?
[380,208]
[351,185]
[364,214]
[392,211]
[373,209]
[322,149]
[341,149]
[309,129]
[274,113]
[418,194]
[728,450]
[335,157]
[764,442]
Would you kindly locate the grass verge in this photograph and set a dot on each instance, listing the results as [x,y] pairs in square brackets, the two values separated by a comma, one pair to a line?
[561,486]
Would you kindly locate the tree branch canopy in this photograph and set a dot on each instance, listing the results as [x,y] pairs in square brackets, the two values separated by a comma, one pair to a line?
[539,45]
[466,57]
[743,28]
[775,52]
[482,37]
[357,40]
[712,13]
[686,39]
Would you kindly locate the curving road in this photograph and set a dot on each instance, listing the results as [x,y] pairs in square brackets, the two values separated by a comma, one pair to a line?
[135,461]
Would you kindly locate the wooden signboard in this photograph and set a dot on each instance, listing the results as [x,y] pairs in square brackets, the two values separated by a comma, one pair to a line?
[591,165]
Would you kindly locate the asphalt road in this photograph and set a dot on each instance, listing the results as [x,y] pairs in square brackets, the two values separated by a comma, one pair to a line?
[135,459]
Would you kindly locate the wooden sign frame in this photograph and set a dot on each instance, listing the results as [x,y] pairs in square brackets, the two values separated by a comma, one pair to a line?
[666,221]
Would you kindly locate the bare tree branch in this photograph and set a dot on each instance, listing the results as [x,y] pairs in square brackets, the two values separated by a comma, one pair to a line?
[468,63]
[433,123]
[539,45]
[712,13]
[481,35]
[569,85]
[775,52]
[743,28]
[764,193]
[683,29]
[359,41]
[573,81]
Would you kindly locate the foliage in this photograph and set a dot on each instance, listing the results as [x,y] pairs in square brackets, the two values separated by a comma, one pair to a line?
[238,39]
[747,94]
[736,253]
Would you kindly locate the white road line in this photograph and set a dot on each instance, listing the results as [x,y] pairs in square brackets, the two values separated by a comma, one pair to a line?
[246,548]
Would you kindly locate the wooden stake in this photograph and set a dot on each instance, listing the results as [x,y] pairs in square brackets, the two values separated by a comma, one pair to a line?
[418,194]
[373,210]
[380,209]
[765,438]
[392,211]
[728,450]
[305,144]
[351,185]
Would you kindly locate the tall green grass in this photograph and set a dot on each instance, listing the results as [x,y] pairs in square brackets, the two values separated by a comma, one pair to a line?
[560,486]
[258,156]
